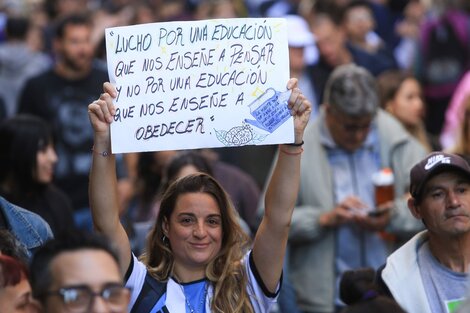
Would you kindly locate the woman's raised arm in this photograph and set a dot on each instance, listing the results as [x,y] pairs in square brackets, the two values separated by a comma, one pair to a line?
[271,239]
[103,194]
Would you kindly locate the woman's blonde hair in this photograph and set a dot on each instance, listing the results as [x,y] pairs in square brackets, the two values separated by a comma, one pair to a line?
[226,272]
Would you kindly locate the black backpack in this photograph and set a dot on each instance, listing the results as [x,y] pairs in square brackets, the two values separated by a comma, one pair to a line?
[445,47]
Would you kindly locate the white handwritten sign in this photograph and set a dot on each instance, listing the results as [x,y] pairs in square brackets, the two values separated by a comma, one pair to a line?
[199,84]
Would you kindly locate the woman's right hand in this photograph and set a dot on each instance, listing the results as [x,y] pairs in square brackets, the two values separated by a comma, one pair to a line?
[102,110]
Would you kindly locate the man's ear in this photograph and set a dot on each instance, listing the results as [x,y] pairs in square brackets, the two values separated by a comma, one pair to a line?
[414,208]
[327,107]
[328,113]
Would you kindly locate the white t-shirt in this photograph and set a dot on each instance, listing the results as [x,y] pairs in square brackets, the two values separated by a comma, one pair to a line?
[174,299]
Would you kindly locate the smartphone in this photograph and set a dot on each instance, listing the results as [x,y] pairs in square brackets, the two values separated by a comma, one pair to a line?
[377,213]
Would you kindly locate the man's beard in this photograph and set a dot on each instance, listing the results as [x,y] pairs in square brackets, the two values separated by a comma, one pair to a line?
[78,64]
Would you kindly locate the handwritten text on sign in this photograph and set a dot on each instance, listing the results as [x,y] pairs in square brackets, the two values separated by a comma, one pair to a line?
[185,85]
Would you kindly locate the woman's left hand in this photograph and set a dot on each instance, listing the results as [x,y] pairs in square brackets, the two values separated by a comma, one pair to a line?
[300,108]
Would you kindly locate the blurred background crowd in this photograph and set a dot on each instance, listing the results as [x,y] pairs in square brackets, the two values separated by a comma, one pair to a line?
[53,64]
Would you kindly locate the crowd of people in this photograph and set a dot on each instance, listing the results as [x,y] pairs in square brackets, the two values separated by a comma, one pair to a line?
[376,86]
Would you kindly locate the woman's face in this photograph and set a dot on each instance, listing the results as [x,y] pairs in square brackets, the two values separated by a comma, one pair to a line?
[45,159]
[408,105]
[17,298]
[195,234]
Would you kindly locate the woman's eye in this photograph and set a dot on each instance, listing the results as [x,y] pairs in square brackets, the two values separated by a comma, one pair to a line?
[186,220]
[213,221]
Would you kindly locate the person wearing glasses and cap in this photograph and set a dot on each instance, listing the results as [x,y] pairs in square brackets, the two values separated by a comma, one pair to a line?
[429,272]
[78,273]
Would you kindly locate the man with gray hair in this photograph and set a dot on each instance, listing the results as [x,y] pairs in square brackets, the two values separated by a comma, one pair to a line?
[337,224]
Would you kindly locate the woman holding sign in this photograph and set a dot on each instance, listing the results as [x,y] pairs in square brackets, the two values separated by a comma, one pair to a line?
[197,258]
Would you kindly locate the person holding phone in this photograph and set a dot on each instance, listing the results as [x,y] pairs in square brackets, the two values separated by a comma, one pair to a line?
[345,146]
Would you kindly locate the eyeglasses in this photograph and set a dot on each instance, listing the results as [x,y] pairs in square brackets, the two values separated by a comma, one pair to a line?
[354,128]
[351,124]
[78,299]
[360,17]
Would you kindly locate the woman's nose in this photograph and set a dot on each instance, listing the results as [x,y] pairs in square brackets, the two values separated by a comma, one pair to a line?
[199,230]
[52,155]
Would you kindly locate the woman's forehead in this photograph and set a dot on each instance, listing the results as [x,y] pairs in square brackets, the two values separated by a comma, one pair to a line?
[196,203]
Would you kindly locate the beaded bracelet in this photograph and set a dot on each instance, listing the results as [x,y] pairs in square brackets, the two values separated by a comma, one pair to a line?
[295,144]
[103,154]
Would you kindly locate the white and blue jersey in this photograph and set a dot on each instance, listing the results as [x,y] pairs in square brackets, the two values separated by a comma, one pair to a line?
[171,296]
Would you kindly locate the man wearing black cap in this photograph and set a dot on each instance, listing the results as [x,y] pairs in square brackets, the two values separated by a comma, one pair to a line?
[429,272]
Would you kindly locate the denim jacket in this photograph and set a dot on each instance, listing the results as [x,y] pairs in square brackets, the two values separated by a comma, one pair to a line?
[28,227]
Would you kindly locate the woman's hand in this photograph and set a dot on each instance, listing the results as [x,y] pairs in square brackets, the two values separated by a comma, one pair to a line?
[300,108]
[101,111]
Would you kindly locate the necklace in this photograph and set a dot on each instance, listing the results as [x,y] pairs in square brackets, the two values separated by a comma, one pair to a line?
[201,303]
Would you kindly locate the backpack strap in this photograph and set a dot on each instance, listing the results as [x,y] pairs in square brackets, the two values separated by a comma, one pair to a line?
[459,21]
[151,292]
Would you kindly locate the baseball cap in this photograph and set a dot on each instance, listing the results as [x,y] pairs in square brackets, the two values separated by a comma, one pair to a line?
[434,163]
[298,32]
